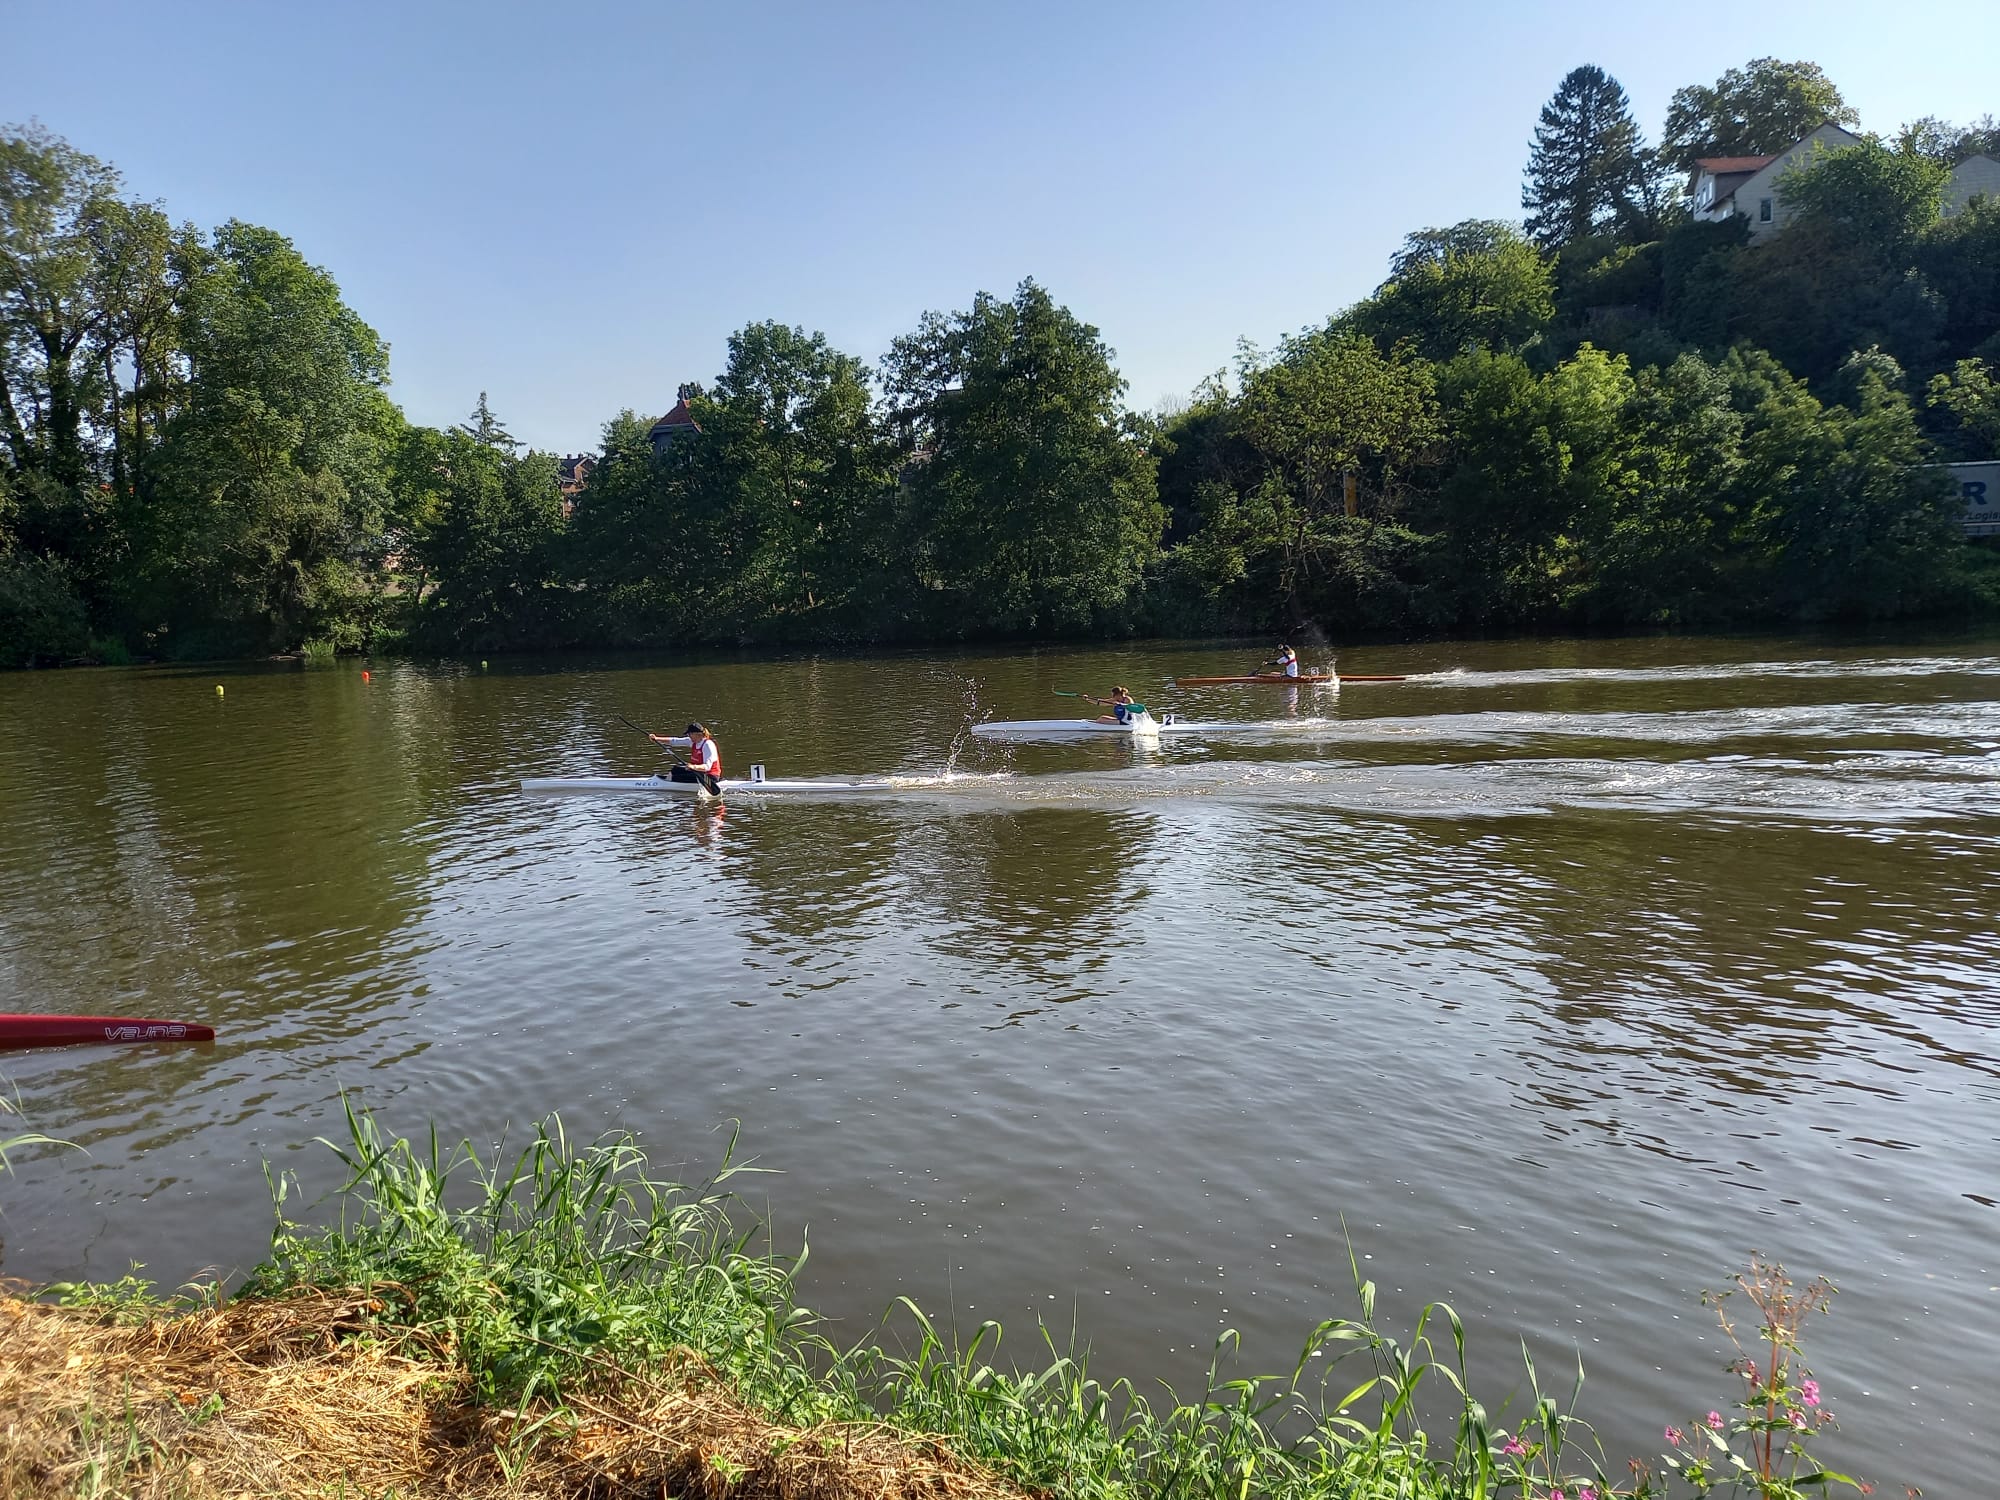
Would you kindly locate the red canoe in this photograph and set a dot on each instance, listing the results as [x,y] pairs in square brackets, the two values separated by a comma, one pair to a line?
[55,1031]
[1304,679]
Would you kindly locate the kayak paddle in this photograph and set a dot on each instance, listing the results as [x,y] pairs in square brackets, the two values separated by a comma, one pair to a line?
[1137,708]
[664,749]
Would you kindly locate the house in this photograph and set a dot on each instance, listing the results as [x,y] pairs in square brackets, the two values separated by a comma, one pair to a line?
[572,474]
[1974,177]
[1748,185]
[676,424]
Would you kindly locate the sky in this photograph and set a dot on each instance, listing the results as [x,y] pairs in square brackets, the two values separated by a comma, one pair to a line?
[571,207]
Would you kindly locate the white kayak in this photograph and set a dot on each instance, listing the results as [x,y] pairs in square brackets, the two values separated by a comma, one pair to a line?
[1139,726]
[1146,729]
[757,785]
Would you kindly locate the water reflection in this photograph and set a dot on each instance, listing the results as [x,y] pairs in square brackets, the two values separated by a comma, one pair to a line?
[1039,897]
[1543,976]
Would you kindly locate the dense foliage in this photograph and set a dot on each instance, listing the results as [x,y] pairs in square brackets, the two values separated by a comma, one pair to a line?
[1613,416]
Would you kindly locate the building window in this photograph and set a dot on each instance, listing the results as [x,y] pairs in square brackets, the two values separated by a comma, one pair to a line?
[1763,210]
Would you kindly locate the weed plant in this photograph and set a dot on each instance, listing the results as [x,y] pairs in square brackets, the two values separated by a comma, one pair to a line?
[21,1139]
[565,1267]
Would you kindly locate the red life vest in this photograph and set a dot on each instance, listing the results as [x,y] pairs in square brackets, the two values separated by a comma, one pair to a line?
[703,756]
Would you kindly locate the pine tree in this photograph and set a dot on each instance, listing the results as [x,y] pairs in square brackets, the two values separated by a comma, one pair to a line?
[1587,167]
[485,428]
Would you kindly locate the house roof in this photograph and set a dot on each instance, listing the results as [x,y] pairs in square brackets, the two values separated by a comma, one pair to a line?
[680,416]
[1722,166]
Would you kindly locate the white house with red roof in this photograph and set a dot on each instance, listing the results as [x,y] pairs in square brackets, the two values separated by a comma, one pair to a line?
[1748,185]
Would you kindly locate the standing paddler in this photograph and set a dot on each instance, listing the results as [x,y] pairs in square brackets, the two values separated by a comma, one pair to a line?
[704,762]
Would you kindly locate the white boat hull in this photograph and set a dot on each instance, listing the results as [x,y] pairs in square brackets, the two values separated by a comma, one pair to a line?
[1138,727]
[1152,730]
[769,786]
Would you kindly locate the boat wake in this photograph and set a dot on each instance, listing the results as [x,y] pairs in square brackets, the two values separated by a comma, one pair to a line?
[1916,666]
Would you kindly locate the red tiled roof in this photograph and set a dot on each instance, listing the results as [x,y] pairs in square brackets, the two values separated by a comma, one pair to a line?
[680,416]
[1722,166]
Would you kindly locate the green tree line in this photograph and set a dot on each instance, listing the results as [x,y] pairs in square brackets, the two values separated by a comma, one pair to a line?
[1609,415]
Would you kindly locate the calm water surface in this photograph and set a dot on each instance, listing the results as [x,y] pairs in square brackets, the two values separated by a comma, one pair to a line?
[1562,976]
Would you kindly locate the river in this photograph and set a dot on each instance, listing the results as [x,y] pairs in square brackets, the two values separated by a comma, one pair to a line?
[1554,980]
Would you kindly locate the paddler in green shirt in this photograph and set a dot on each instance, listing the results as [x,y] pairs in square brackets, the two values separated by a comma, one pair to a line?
[1121,705]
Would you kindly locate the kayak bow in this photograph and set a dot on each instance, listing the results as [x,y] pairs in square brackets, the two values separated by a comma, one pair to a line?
[57,1031]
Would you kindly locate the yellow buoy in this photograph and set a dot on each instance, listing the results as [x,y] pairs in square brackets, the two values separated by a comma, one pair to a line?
[218,690]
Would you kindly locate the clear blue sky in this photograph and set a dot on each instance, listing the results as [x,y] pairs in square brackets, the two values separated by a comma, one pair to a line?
[571,206]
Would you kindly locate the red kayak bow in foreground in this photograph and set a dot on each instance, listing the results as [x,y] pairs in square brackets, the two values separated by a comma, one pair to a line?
[56,1031]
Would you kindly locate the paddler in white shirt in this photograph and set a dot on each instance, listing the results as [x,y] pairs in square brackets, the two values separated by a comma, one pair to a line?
[1287,662]
[704,762]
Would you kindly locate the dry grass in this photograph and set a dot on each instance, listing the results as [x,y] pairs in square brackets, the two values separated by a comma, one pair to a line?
[306,1396]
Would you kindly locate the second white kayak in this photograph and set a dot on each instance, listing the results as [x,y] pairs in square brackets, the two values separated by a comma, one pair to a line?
[1138,727]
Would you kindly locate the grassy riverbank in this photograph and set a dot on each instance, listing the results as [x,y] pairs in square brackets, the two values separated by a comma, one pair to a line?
[559,1322]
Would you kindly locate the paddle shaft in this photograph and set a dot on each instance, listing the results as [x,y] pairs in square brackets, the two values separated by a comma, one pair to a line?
[664,749]
[1137,708]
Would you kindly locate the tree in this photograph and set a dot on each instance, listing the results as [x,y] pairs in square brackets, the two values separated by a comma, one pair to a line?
[1433,247]
[1851,519]
[1585,174]
[1602,272]
[486,430]
[1949,144]
[1661,559]
[1759,109]
[261,510]
[1328,410]
[1972,397]
[1541,467]
[491,547]
[806,472]
[1029,507]
[636,544]
[1842,276]
[1477,284]
[1880,198]
[1696,261]
[1818,292]
[1960,258]
[1199,444]
[57,212]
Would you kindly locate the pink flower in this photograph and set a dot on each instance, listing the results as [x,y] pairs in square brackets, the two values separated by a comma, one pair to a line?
[1796,1417]
[1676,1436]
[1810,1392]
[1588,1492]
[1513,1447]
[1555,1495]
[1715,1421]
